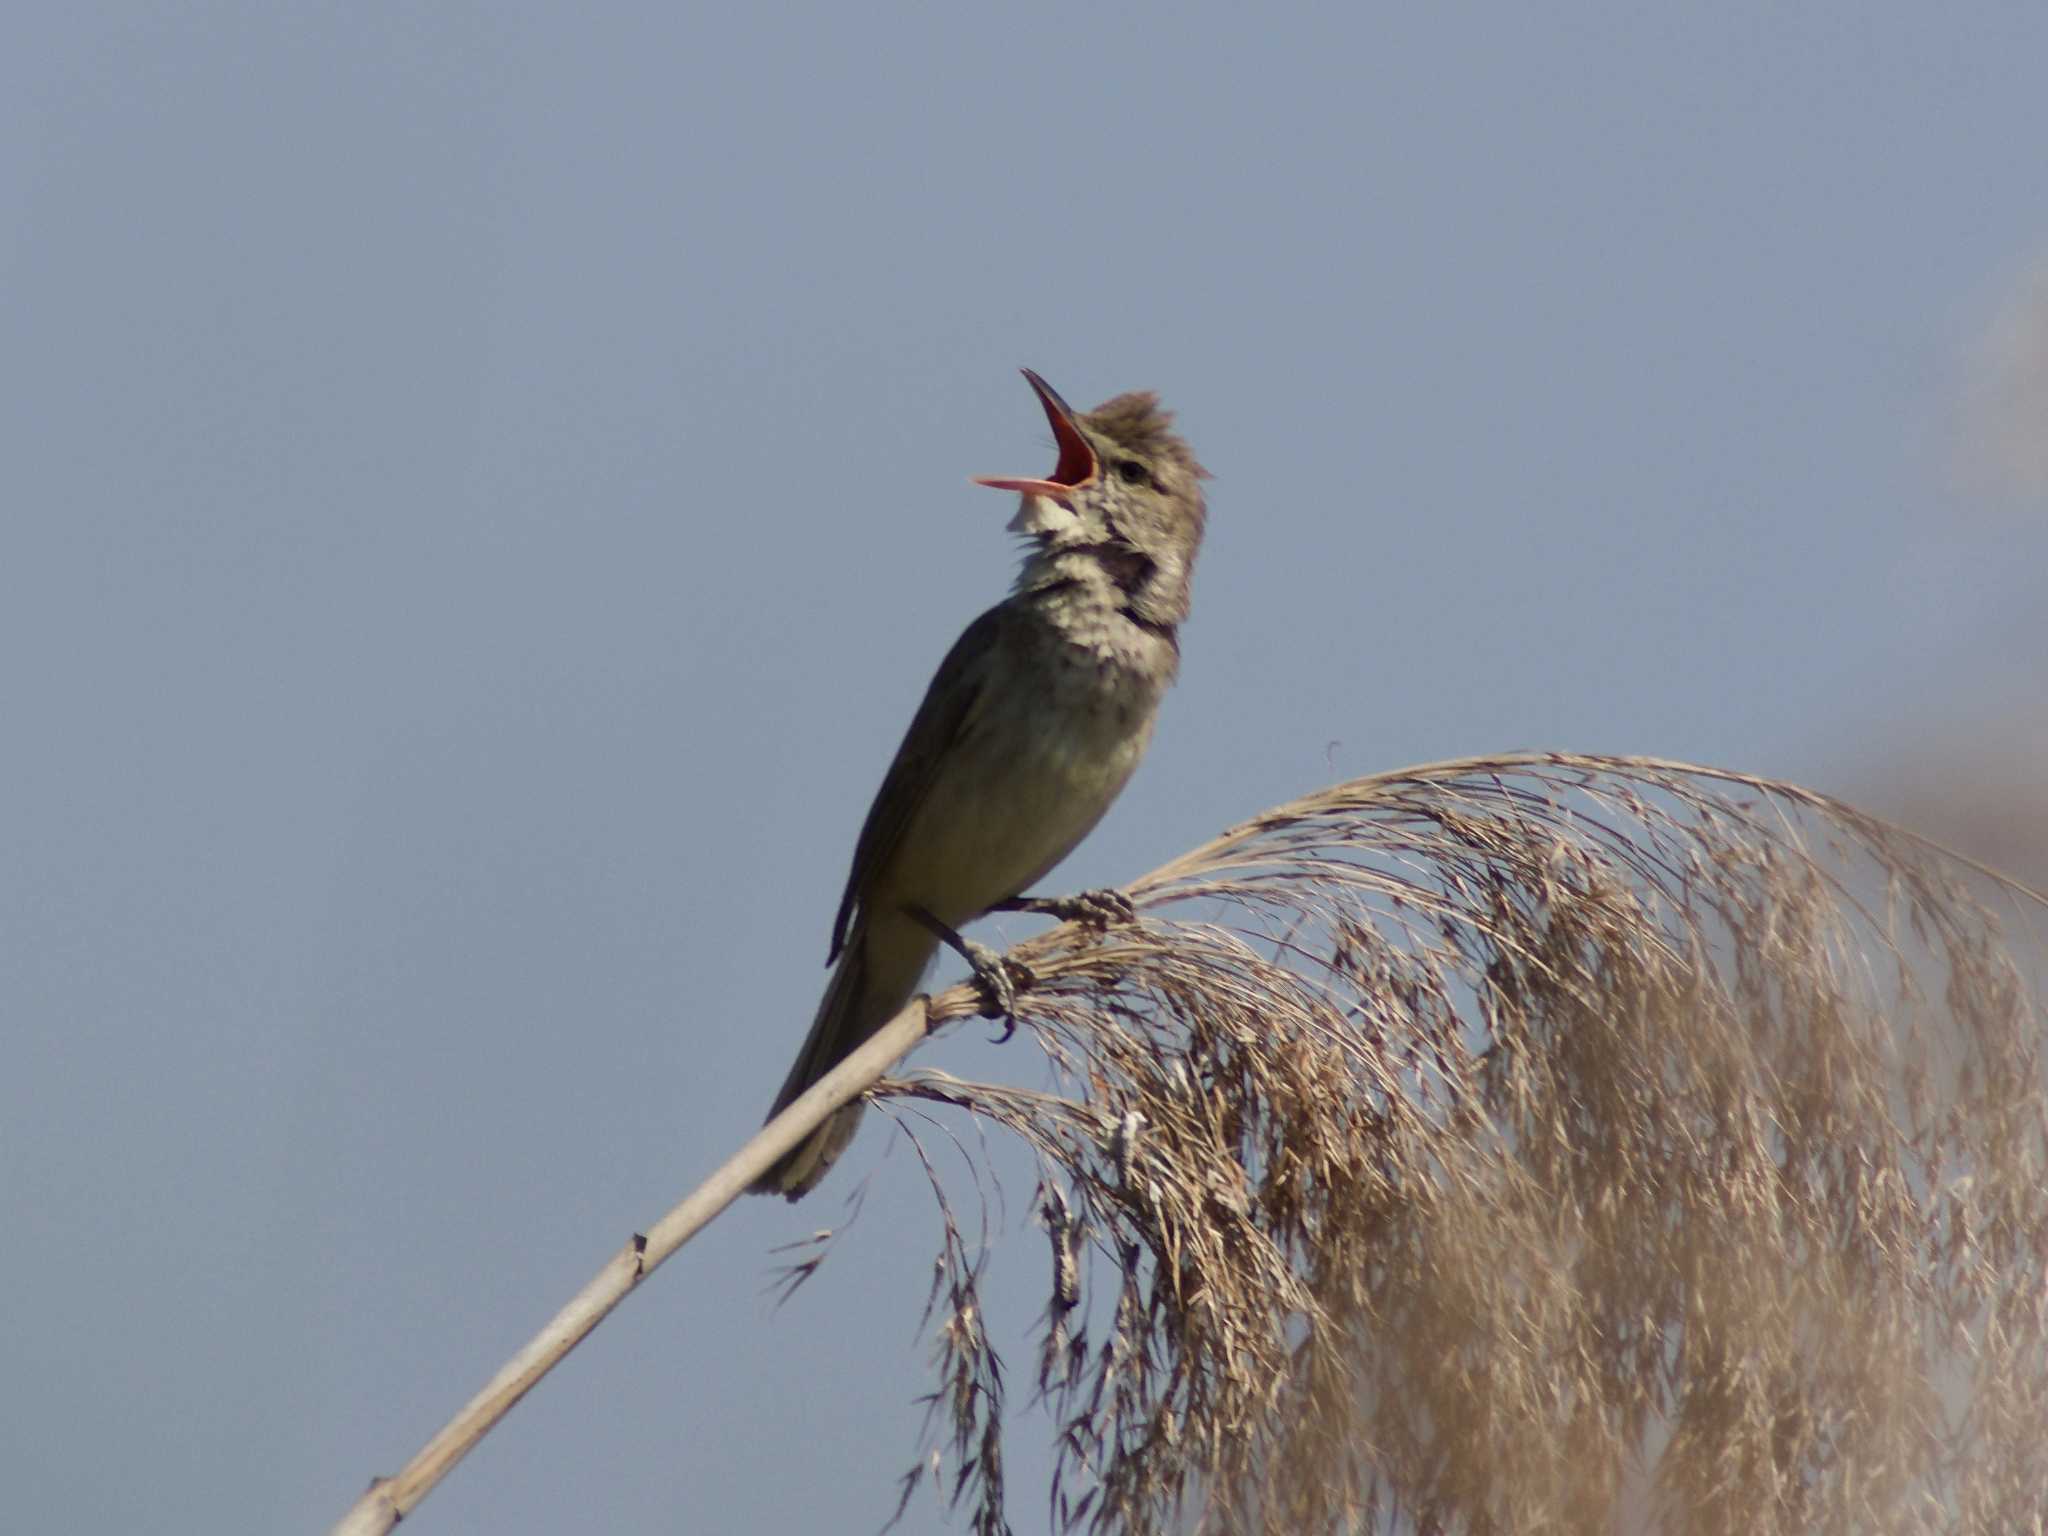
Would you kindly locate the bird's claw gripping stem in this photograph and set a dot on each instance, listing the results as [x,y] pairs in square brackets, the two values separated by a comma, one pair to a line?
[999,977]
[1105,907]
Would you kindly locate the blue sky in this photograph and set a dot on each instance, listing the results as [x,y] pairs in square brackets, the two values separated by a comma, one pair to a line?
[485,486]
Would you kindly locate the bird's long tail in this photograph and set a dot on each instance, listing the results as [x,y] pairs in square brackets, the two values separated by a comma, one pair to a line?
[877,974]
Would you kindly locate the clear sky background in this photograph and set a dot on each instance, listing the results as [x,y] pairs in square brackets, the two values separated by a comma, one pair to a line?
[483,487]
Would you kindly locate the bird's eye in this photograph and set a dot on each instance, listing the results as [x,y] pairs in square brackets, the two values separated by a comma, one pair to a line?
[1134,472]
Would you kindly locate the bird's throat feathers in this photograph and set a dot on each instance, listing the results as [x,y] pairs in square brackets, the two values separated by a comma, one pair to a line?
[1043,519]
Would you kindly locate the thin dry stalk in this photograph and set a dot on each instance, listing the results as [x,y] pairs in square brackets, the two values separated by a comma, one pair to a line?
[1531,1144]
[390,1499]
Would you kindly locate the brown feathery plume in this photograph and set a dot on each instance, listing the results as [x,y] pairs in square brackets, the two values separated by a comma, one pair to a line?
[1529,1144]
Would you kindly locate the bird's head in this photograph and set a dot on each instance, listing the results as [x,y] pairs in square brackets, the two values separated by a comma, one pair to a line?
[1126,490]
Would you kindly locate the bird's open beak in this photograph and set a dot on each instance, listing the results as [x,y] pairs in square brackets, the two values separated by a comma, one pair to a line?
[1076,467]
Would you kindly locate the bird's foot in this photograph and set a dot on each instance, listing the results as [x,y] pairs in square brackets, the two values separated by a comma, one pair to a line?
[1106,907]
[999,977]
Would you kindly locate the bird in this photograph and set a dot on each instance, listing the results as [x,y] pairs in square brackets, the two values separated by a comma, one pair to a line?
[1031,727]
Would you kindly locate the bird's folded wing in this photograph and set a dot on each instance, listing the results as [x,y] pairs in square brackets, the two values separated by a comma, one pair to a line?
[955,697]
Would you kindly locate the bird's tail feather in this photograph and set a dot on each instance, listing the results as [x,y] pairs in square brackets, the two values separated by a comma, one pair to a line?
[876,975]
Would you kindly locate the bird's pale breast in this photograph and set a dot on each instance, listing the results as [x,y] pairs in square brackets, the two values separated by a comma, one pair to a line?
[1065,717]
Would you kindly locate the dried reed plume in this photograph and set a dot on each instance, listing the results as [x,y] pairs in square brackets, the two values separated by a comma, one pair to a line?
[1528,1144]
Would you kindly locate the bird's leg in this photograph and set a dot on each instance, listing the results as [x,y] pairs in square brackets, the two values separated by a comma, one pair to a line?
[999,977]
[1103,908]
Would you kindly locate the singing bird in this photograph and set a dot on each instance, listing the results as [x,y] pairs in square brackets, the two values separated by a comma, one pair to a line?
[1033,725]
